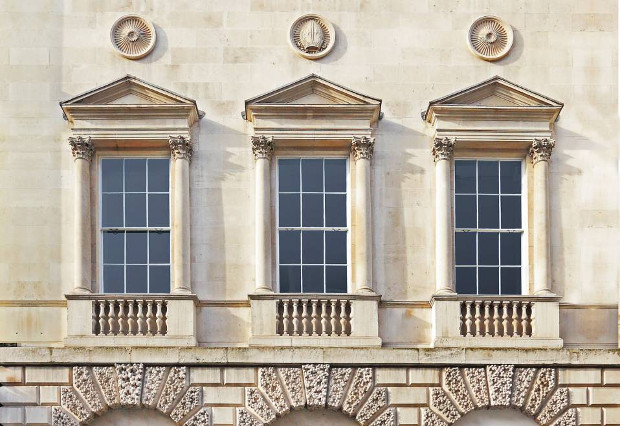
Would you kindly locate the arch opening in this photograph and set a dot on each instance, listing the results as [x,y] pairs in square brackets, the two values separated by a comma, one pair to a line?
[315,417]
[501,417]
[134,417]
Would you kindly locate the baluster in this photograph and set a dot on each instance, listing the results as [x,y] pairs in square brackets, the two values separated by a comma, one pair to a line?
[94,322]
[286,323]
[278,318]
[150,321]
[505,318]
[515,319]
[478,321]
[524,319]
[103,318]
[111,316]
[296,322]
[343,317]
[131,318]
[141,324]
[324,318]
[315,318]
[532,319]
[468,319]
[496,306]
[334,318]
[122,319]
[160,318]
[462,330]
[487,318]
[305,317]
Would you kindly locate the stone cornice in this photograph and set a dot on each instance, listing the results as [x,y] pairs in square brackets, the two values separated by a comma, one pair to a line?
[82,147]
[363,147]
[262,146]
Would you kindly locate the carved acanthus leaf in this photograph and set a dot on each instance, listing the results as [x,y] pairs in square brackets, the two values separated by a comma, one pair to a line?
[363,147]
[82,147]
[541,149]
[262,146]
[443,148]
[181,147]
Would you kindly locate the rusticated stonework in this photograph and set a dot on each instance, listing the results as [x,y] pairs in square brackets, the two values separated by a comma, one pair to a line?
[544,384]
[129,383]
[106,378]
[455,386]
[315,381]
[569,418]
[83,382]
[190,401]
[477,379]
[376,402]
[363,147]
[73,404]
[175,383]
[362,383]
[153,378]
[201,418]
[244,418]
[82,147]
[338,381]
[522,381]
[541,149]
[293,384]
[500,384]
[269,383]
[388,418]
[61,418]
[443,148]
[431,419]
[556,404]
[441,403]
[262,146]
[255,401]
[181,147]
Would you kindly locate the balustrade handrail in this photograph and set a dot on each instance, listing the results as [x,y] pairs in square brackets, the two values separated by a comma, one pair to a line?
[132,296]
[310,296]
[496,297]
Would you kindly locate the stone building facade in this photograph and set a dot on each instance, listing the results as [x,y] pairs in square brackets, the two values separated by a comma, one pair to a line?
[301,212]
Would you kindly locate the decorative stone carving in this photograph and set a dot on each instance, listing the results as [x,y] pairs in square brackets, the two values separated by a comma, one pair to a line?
[361,385]
[312,36]
[522,381]
[545,383]
[315,381]
[61,418]
[153,378]
[181,147]
[500,384]
[262,146]
[455,385]
[431,419]
[388,418]
[81,147]
[255,401]
[569,418]
[441,403]
[73,404]
[107,383]
[129,383]
[363,147]
[541,149]
[490,38]
[338,381]
[133,36]
[477,380]
[269,383]
[244,418]
[294,386]
[190,401]
[554,406]
[443,148]
[377,401]
[175,383]
[201,418]
[83,382]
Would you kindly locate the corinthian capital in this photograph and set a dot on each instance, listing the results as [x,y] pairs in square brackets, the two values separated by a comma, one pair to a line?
[363,147]
[541,149]
[181,147]
[262,146]
[443,148]
[81,147]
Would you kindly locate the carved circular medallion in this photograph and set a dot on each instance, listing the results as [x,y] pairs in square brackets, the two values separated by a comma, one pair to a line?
[133,36]
[490,38]
[312,36]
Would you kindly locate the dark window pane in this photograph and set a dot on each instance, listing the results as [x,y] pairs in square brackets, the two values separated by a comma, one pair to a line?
[136,247]
[336,279]
[312,175]
[114,247]
[312,210]
[511,280]
[465,176]
[488,177]
[465,211]
[510,177]
[135,210]
[313,279]
[488,248]
[112,210]
[465,248]
[336,210]
[335,175]
[288,210]
[113,279]
[290,246]
[159,279]
[159,170]
[290,279]
[511,249]
[136,279]
[511,212]
[159,210]
[312,247]
[111,175]
[488,280]
[466,280]
[336,247]
[159,247]
[135,175]
[288,175]
[488,211]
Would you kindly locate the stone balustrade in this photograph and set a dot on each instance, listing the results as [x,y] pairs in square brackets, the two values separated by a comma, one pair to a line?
[313,317]
[500,317]
[144,316]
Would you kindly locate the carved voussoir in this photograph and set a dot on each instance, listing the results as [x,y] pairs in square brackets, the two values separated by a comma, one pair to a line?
[153,379]
[315,381]
[544,384]
[106,378]
[361,385]
[338,382]
[387,418]
[476,377]
[431,419]
[175,383]
[201,418]
[84,383]
[554,406]
[189,403]
[500,384]
[244,418]
[454,385]
[61,418]
[441,403]
[569,418]
[129,378]
[522,381]
[377,401]
[255,401]
[74,405]
[269,384]
[293,384]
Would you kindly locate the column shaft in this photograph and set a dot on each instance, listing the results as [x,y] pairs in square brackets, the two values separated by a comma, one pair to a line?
[262,148]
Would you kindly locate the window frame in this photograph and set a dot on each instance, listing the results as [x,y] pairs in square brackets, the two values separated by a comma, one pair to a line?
[276,206]
[98,172]
[525,258]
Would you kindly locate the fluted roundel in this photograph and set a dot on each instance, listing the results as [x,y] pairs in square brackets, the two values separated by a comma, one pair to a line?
[133,36]
[490,38]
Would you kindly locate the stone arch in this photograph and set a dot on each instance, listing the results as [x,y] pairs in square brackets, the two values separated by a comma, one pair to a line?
[133,417]
[316,386]
[98,389]
[533,391]
[498,417]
